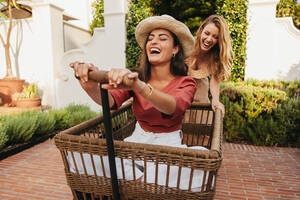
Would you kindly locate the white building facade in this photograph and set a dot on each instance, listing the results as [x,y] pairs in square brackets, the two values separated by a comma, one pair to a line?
[44,45]
[273,44]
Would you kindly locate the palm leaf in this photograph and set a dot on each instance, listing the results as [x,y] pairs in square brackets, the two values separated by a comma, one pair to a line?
[2,15]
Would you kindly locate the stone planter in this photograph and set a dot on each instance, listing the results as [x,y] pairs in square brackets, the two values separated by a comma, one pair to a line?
[8,87]
[28,103]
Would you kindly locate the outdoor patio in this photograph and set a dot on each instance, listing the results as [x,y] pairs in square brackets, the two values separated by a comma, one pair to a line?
[247,172]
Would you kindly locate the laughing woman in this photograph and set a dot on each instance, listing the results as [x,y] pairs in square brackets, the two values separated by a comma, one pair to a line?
[212,57]
[162,91]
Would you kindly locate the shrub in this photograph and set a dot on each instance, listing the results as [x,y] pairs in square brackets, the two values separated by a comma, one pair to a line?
[3,135]
[62,118]
[260,112]
[280,128]
[289,114]
[79,113]
[138,10]
[254,100]
[192,13]
[289,8]
[22,127]
[245,103]
[292,88]
[71,115]
[98,19]
[45,123]
[235,12]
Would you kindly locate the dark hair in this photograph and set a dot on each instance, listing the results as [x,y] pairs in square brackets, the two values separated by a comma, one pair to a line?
[177,66]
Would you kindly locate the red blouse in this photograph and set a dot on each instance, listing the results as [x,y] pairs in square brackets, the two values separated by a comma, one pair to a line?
[182,88]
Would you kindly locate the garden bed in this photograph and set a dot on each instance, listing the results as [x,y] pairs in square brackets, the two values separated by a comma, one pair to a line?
[22,128]
[16,148]
[15,110]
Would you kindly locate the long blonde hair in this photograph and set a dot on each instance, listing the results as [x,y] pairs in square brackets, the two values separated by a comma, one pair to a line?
[220,59]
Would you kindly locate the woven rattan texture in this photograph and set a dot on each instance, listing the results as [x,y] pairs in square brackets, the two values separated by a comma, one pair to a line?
[201,126]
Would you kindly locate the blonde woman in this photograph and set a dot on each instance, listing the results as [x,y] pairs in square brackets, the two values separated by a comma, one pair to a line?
[212,57]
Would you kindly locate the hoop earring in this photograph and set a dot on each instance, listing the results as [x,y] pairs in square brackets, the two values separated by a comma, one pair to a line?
[173,55]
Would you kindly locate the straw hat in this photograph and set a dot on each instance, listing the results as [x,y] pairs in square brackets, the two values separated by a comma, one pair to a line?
[167,22]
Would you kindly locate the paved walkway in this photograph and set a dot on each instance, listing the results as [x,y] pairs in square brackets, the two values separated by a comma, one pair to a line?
[247,172]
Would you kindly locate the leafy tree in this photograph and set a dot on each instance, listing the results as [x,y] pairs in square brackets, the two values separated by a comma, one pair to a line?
[138,10]
[191,12]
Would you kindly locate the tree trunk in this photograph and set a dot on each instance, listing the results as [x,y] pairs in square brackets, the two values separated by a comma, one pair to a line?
[9,73]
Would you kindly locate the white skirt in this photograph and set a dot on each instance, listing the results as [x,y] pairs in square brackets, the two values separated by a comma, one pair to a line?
[168,139]
[140,136]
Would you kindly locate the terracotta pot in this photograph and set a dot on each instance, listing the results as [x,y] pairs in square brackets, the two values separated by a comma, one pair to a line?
[8,87]
[28,103]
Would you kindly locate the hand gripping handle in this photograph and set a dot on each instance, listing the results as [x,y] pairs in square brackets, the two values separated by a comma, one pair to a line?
[102,77]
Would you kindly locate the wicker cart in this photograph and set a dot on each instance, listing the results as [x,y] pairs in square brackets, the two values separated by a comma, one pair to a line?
[83,149]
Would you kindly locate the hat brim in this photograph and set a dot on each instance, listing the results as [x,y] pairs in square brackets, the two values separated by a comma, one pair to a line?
[182,32]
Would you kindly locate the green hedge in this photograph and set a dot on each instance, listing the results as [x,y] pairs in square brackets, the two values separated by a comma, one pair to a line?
[289,8]
[98,19]
[291,88]
[262,112]
[22,127]
[235,12]
[279,128]
[190,12]
[138,10]
[3,135]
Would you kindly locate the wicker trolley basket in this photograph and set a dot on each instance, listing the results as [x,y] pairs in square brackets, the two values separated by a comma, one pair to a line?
[83,150]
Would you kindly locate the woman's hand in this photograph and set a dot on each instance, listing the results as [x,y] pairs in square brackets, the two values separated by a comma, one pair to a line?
[91,87]
[81,71]
[217,104]
[116,78]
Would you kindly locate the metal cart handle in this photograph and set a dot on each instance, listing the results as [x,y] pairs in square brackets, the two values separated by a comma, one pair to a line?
[102,77]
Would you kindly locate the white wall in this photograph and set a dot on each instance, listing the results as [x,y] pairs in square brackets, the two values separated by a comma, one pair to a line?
[38,45]
[106,49]
[79,9]
[273,44]
[22,36]
[288,49]
[74,36]
[44,45]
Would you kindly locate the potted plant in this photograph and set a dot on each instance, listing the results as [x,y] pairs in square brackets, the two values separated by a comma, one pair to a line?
[28,98]
[9,84]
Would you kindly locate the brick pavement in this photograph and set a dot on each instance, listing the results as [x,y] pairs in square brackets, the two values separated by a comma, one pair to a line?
[247,172]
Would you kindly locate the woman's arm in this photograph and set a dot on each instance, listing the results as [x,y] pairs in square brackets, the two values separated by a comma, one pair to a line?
[163,102]
[215,93]
[91,87]
[215,88]
[175,101]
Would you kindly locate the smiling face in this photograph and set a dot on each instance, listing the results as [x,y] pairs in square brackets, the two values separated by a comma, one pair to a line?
[209,37]
[160,47]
